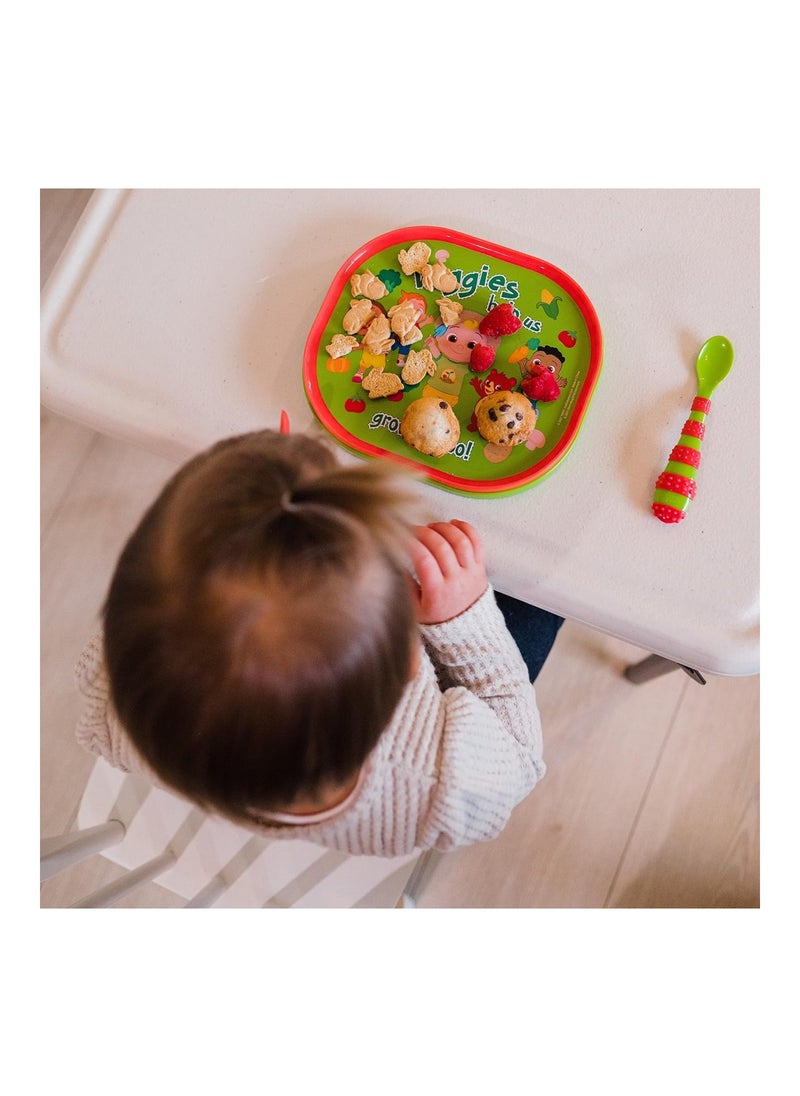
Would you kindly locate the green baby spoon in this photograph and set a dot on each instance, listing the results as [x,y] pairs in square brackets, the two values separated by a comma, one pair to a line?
[676,486]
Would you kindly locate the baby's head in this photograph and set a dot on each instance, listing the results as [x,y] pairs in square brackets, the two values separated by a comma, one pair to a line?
[258,627]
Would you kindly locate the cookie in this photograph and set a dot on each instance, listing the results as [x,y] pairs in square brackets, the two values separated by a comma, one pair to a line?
[505,418]
[430,426]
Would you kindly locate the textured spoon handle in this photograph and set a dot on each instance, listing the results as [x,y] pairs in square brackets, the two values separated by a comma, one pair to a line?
[676,486]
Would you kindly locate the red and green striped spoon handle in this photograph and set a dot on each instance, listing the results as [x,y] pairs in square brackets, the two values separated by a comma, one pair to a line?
[677,485]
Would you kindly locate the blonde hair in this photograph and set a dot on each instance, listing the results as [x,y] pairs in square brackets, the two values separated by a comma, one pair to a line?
[258,625]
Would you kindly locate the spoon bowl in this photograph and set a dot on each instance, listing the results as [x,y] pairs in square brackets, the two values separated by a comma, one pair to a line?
[713,364]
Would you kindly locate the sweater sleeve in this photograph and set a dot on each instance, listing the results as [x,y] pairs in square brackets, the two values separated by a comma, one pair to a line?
[99,730]
[491,747]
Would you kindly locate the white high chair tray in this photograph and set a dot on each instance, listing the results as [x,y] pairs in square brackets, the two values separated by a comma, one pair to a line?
[177,317]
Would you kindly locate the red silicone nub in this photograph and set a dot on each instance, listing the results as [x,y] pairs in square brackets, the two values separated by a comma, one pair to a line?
[694,429]
[667,513]
[684,454]
[680,485]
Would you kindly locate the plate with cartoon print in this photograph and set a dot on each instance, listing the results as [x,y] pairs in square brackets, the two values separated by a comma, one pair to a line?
[428,312]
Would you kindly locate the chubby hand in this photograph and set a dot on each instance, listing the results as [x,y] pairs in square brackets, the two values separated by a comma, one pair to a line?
[448,560]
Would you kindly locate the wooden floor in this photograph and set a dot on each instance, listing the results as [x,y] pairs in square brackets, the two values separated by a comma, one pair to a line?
[651,797]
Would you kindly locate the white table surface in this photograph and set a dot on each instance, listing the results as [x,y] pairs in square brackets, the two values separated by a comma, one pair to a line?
[177,317]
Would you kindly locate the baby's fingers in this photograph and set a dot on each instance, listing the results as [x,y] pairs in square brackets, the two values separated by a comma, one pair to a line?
[425,563]
[462,539]
[474,537]
[439,547]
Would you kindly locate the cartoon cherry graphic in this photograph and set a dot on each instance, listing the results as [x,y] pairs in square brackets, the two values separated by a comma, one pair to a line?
[567,338]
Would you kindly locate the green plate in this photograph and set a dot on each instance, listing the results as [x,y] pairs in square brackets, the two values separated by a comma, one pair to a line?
[559,331]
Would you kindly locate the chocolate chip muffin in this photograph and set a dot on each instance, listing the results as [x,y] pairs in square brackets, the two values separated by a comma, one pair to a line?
[505,418]
[430,426]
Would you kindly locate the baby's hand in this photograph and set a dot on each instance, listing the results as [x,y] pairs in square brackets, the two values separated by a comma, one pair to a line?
[448,560]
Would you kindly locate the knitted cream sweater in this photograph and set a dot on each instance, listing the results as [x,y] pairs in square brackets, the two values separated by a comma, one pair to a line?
[463,748]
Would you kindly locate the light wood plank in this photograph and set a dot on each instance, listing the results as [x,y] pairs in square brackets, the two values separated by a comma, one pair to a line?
[95,872]
[80,546]
[63,446]
[696,843]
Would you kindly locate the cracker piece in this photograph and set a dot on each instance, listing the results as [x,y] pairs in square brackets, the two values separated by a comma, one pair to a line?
[418,364]
[378,384]
[357,315]
[450,311]
[367,285]
[439,277]
[403,318]
[413,260]
[409,336]
[378,337]
[404,315]
[341,345]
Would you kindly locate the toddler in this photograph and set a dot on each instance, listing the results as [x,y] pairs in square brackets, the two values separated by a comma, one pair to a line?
[285,647]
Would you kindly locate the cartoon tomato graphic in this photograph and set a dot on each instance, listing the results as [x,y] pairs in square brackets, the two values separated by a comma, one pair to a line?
[356,406]
[567,338]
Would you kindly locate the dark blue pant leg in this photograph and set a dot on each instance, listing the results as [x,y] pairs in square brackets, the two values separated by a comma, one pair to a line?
[533,629]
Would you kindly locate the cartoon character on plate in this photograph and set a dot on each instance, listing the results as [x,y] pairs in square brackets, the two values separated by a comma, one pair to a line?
[543,361]
[455,344]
